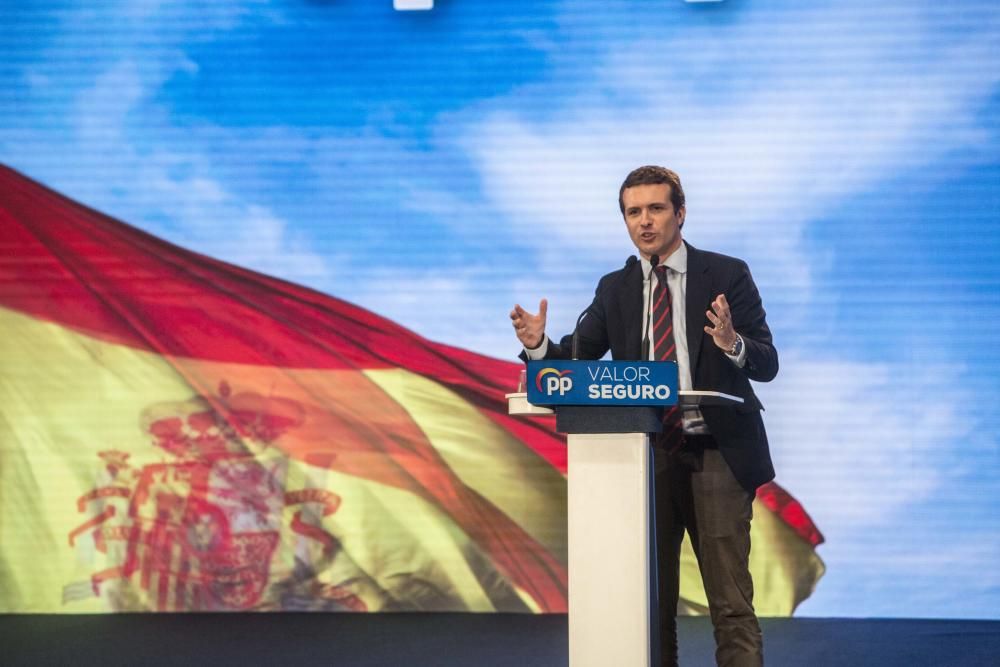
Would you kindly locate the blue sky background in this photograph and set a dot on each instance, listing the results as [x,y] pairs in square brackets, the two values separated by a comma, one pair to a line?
[436,167]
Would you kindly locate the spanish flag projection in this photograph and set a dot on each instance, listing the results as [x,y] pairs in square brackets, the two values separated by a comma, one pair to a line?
[177,433]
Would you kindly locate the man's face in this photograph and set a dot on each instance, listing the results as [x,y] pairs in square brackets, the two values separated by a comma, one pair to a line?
[653,224]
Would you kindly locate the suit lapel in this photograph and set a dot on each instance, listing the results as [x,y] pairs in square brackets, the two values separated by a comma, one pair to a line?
[698,300]
[630,303]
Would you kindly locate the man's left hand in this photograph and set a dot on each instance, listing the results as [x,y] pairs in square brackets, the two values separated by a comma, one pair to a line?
[721,331]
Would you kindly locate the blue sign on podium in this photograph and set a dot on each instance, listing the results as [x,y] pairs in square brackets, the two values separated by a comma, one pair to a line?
[552,382]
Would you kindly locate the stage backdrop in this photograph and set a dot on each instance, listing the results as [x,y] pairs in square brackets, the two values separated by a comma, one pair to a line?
[258,257]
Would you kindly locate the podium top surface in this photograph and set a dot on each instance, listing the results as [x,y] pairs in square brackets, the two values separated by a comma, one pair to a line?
[517,403]
[694,397]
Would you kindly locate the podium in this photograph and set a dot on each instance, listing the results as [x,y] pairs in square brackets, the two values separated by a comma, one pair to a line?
[612,578]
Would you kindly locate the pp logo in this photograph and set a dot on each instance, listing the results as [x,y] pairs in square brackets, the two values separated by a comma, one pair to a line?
[554,381]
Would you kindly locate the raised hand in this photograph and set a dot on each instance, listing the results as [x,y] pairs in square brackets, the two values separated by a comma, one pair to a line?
[530,328]
[721,331]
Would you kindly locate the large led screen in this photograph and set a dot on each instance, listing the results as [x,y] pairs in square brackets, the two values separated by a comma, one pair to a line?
[259,257]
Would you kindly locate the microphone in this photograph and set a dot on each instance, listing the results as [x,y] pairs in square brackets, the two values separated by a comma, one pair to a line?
[655,261]
[576,329]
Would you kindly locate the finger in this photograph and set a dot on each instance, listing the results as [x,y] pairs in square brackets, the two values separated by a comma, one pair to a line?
[713,318]
[724,311]
[543,307]
[514,316]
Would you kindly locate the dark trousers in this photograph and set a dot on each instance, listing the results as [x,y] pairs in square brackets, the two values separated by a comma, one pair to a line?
[695,490]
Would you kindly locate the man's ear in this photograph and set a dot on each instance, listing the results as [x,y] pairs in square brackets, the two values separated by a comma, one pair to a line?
[681,214]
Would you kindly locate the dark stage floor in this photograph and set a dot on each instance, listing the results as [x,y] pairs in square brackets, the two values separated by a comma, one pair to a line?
[459,640]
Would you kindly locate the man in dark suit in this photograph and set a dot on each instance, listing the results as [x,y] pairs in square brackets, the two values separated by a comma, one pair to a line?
[709,461]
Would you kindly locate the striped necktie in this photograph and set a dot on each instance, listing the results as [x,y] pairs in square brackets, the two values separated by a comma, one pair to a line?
[664,349]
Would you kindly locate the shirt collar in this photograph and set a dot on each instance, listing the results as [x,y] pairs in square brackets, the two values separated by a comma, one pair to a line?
[678,261]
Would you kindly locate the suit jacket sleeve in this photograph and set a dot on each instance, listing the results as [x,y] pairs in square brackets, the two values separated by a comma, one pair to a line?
[749,321]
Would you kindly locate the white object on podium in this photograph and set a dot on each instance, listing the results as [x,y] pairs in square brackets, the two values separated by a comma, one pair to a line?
[609,481]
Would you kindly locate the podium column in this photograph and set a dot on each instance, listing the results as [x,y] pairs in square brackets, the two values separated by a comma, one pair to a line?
[609,549]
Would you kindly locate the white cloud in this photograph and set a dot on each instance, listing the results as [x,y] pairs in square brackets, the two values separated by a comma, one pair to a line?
[168,20]
[440,304]
[898,570]
[215,222]
[857,442]
[883,457]
[833,108]
[103,109]
[118,154]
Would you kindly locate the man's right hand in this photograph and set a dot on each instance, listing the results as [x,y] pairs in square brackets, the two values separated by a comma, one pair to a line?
[530,328]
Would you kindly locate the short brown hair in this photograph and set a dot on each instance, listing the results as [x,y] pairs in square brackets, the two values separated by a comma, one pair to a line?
[653,175]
